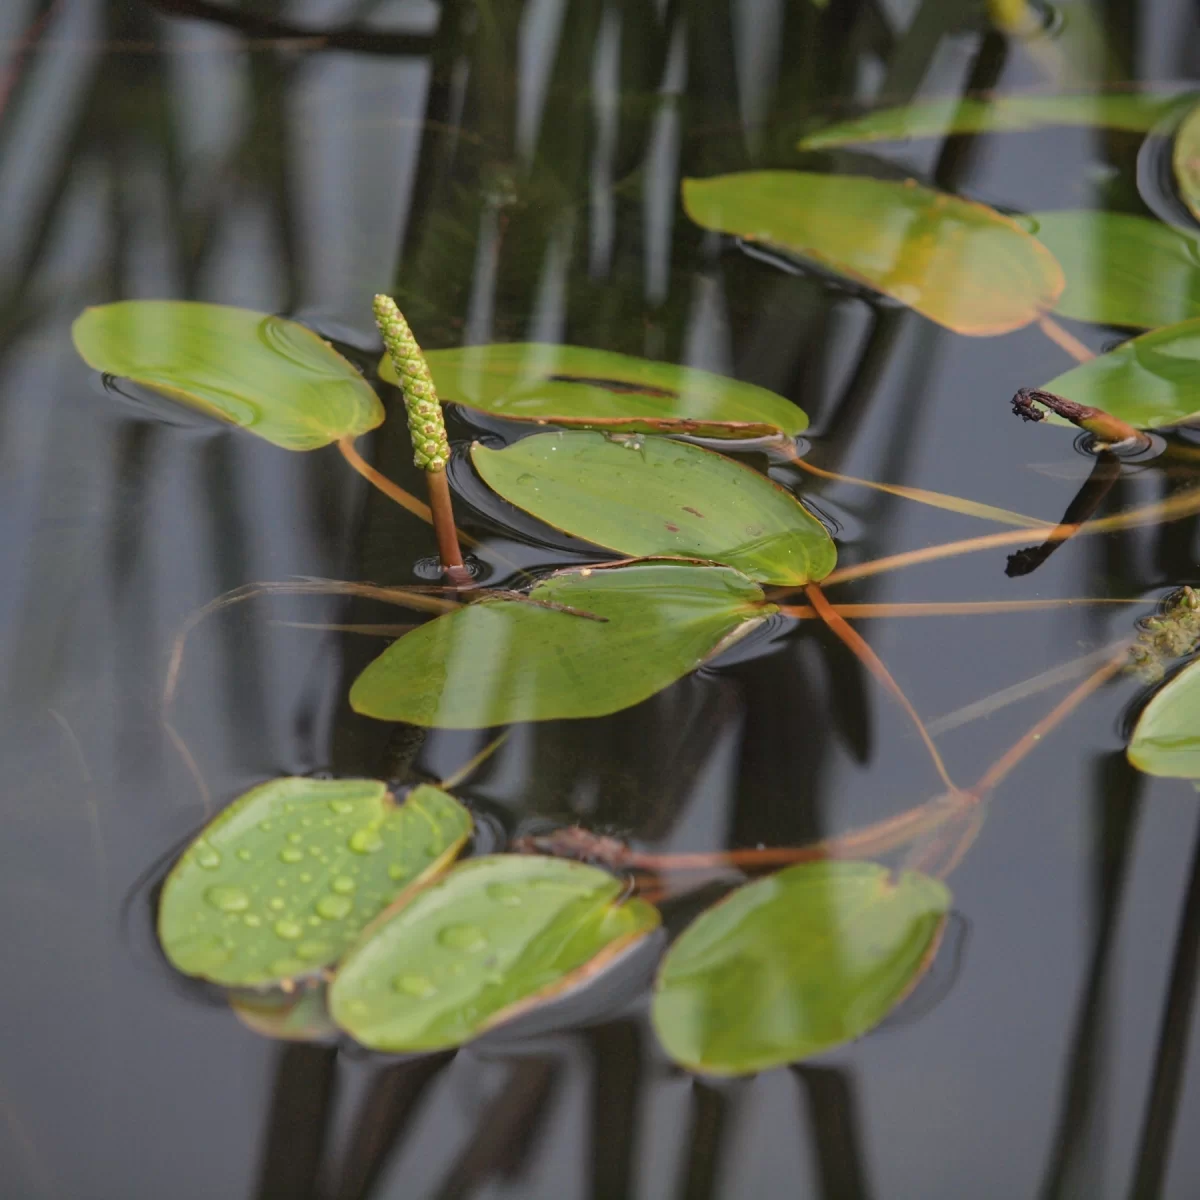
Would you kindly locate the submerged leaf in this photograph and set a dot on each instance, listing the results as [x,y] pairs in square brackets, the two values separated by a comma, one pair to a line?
[498,661]
[598,389]
[264,373]
[496,936]
[646,496]
[1137,112]
[302,1016]
[1122,269]
[1150,381]
[809,958]
[1166,738]
[957,262]
[282,882]
[1185,160]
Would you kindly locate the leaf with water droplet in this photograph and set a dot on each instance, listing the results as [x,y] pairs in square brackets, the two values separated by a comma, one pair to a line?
[661,497]
[800,962]
[1137,112]
[498,661]
[600,389]
[1150,381]
[237,921]
[955,261]
[264,373]
[456,961]
[1166,738]
[1185,160]
[1122,269]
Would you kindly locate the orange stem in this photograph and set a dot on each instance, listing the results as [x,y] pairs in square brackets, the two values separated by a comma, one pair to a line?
[874,664]
[1065,340]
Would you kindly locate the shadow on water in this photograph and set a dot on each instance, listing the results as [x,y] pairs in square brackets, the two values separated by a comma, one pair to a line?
[511,172]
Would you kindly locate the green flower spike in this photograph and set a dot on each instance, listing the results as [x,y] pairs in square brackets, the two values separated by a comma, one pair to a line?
[431,448]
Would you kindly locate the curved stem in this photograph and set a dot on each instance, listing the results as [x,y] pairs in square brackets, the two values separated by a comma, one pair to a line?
[874,664]
[393,491]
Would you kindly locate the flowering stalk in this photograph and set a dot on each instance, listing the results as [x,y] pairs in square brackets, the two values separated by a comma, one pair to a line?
[431,447]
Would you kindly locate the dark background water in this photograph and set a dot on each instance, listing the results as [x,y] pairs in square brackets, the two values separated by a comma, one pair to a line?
[511,172]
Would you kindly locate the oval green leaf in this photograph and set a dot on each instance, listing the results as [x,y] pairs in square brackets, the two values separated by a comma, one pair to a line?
[794,964]
[1185,161]
[282,882]
[264,373]
[496,936]
[599,389]
[498,661]
[1150,381]
[1122,269]
[648,496]
[1166,738]
[1136,112]
[957,262]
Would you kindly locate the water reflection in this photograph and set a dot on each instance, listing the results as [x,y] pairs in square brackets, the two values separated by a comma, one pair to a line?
[511,172]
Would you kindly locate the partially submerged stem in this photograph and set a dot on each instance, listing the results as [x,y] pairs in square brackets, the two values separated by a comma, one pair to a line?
[947,608]
[1015,753]
[874,664]
[427,428]
[1172,509]
[968,508]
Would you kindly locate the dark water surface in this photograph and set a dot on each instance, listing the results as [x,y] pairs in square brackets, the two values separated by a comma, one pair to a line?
[511,172]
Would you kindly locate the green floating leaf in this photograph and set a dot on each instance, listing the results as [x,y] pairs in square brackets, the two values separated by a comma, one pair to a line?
[498,661]
[1137,112]
[794,964]
[282,882]
[1122,269]
[264,373]
[598,389]
[1185,161]
[957,262]
[1150,381]
[647,496]
[1166,738]
[496,936]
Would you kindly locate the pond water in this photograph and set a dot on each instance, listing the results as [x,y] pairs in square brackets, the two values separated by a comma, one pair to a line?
[511,173]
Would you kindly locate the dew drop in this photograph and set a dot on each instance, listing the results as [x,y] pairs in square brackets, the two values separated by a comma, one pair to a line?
[227,899]
[206,856]
[463,937]
[276,902]
[343,885]
[397,871]
[295,837]
[288,930]
[366,841]
[525,478]
[341,807]
[266,826]
[333,908]
[415,985]
[252,919]
[244,855]
[306,878]
[504,893]
[289,854]
[312,951]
